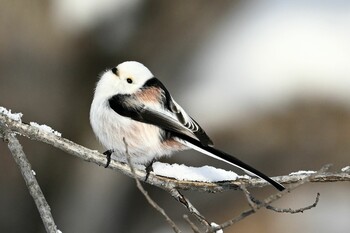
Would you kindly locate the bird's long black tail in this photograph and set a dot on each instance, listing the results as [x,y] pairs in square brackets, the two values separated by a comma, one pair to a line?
[220,155]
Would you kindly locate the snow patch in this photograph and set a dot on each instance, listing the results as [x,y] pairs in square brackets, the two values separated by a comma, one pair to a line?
[9,114]
[213,224]
[203,174]
[346,169]
[302,173]
[45,128]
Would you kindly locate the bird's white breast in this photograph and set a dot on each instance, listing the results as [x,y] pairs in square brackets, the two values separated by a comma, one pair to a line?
[143,140]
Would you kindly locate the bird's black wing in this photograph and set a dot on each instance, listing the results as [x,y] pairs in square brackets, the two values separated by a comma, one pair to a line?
[180,114]
[126,105]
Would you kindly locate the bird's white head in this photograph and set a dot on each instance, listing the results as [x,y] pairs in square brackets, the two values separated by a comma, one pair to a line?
[126,78]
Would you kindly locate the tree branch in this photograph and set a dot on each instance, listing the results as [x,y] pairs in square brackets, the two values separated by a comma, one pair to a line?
[295,211]
[269,200]
[184,201]
[195,229]
[10,125]
[30,180]
[162,182]
[253,202]
[144,192]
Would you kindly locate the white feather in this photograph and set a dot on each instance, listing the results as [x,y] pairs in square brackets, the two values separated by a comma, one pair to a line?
[194,147]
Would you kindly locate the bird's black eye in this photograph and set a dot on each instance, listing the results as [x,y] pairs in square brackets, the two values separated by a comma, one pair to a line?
[115,70]
[129,80]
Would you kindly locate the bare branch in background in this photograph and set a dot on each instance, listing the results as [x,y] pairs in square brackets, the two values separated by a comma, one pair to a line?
[30,180]
[183,200]
[295,211]
[144,192]
[249,198]
[270,199]
[195,229]
[253,202]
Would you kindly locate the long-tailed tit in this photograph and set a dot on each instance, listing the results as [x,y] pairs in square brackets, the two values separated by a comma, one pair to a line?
[130,103]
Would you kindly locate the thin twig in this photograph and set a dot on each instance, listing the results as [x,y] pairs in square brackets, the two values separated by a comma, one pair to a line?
[193,226]
[269,200]
[294,211]
[253,202]
[249,198]
[31,182]
[144,192]
[183,200]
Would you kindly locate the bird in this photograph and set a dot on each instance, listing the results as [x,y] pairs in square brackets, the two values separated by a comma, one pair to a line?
[131,105]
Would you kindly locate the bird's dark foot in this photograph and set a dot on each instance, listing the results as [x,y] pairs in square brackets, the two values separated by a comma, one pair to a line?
[108,154]
[149,169]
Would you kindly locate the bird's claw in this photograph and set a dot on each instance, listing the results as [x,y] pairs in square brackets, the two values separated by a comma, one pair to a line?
[149,169]
[108,154]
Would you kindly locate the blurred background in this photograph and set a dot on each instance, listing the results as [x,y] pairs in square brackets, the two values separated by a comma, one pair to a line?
[268,80]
